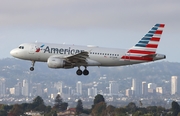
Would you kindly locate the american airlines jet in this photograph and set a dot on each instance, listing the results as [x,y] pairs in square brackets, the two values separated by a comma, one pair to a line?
[70,56]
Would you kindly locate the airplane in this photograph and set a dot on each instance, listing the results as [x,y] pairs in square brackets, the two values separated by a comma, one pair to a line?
[70,56]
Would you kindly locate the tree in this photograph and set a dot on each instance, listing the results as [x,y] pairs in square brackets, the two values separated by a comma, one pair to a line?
[38,101]
[175,108]
[131,107]
[98,98]
[38,104]
[17,110]
[79,107]
[64,106]
[58,103]
[99,109]
[110,110]
[3,113]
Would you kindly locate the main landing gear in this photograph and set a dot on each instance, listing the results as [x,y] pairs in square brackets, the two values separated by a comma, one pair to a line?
[80,72]
[32,68]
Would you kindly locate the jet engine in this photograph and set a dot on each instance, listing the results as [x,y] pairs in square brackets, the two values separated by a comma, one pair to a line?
[55,62]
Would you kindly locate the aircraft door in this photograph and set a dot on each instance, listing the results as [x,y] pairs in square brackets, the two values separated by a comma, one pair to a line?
[32,49]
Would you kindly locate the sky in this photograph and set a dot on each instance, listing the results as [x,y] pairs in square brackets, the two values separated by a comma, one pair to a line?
[105,23]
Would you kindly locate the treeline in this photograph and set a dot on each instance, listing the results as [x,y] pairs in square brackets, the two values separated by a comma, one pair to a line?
[99,108]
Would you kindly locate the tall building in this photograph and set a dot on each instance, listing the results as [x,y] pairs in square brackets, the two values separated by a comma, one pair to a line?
[136,87]
[144,88]
[128,92]
[59,87]
[152,88]
[39,90]
[92,92]
[18,89]
[2,87]
[174,85]
[159,90]
[79,88]
[113,88]
[25,88]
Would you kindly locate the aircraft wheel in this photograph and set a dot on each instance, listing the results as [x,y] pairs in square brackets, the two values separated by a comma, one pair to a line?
[79,72]
[32,68]
[85,72]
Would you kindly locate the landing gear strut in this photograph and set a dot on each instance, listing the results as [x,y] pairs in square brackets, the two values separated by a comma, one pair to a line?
[32,68]
[80,72]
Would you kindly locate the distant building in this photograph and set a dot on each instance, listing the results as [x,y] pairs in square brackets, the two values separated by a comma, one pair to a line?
[144,88]
[25,88]
[12,91]
[128,92]
[92,92]
[59,87]
[152,88]
[159,90]
[174,83]
[39,90]
[2,87]
[136,87]
[113,88]
[79,88]
[18,89]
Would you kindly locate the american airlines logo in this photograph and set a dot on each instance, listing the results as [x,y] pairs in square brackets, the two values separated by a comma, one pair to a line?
[39,48]
[62,50]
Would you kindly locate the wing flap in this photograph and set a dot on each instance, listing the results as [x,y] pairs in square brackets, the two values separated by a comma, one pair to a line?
[78,58]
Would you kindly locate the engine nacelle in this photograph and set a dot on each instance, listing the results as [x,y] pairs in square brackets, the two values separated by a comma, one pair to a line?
[55,63]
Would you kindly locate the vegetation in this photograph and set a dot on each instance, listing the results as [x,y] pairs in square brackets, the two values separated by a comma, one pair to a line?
[99,108]
[79,107]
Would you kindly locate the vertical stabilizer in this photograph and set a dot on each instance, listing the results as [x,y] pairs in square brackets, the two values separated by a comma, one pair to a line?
[145,49]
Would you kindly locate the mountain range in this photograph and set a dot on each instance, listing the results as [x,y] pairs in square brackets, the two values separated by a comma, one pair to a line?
[13,69]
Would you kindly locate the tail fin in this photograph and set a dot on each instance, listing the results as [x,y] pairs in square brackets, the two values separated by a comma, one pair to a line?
[145,49]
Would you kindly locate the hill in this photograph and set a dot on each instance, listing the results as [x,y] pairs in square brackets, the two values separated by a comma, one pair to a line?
[13,69]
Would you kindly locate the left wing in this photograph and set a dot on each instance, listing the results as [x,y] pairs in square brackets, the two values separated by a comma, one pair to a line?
[78,58]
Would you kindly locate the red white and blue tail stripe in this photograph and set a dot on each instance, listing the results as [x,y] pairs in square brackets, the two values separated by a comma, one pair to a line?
[145,49]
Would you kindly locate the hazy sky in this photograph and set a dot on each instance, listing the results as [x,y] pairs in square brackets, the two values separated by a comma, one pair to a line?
[106,23]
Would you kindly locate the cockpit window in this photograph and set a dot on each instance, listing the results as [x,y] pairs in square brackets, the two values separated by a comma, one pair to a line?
[21,47]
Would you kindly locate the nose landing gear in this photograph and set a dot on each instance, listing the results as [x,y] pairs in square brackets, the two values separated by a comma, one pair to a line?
[32,68]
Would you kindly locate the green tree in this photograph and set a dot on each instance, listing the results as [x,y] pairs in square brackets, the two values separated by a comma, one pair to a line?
[58,103]
[37,101]
[110,110]
[17,110]
[175,108]
[79,107]
[3,113]
[98,98]
[38,104]
[120,111]
[64,106]
[99,109]
[131,107]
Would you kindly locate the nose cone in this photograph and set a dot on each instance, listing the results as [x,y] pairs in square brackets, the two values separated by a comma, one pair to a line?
[14,53]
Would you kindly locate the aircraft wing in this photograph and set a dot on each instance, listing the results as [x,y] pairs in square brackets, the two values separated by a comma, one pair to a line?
[78,58]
